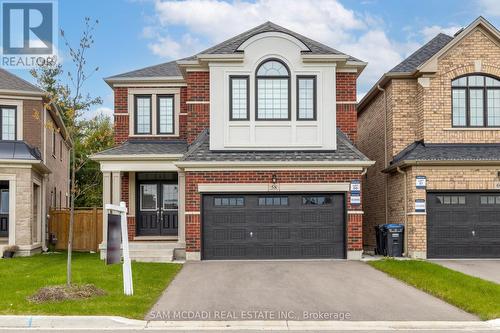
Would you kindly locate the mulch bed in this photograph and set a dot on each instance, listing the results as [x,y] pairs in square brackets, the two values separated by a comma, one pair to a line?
[64,293]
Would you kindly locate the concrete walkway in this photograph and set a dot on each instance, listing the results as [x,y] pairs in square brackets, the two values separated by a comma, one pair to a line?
[295,290]
[484,269]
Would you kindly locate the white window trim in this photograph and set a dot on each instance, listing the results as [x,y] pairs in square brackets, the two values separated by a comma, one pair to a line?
[154,93]
[18,104]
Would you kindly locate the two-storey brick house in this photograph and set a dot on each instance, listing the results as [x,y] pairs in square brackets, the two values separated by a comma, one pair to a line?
[34,164]
[432,124]
[243,151]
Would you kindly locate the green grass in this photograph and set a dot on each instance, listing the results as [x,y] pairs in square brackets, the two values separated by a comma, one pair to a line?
[469,293]
[22,277]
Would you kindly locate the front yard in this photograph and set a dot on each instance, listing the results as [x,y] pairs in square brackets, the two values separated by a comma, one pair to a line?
[469,293]
[22,277]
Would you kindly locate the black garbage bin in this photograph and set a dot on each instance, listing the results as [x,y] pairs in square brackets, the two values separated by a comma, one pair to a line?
[393,235]
[379,235]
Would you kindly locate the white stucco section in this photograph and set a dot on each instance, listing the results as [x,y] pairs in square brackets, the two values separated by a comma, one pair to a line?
[269,135]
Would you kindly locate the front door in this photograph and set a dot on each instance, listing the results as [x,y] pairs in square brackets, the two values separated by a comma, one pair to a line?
[157,209]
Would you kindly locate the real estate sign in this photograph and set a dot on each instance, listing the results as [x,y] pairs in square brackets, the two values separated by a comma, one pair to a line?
[114,241]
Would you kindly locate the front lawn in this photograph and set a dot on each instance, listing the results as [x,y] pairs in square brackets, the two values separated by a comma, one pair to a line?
[22,277]
[469,293]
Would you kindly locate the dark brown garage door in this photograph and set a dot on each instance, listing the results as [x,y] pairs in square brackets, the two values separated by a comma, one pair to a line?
[273,226]
[463,225]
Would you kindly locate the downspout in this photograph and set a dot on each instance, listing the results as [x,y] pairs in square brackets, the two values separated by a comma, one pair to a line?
[405,205]
[386,194]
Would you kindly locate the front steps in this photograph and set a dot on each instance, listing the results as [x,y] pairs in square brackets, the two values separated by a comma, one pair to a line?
[149,251]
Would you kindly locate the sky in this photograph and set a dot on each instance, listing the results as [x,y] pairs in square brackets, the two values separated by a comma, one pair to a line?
[132,34]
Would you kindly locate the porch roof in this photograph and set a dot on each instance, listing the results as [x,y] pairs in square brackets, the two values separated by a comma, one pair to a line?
[420,152]
[18,150]
[144,149]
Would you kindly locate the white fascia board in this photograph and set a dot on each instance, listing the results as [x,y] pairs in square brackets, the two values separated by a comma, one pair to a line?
[221,57]
[138,166]
[282,187]
[141,157]
[345,165]
[22,93]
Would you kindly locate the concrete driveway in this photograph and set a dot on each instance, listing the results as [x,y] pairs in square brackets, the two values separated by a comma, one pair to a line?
[295,290]
[484,269]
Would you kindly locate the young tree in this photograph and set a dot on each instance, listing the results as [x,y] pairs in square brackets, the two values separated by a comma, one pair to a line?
[73,102]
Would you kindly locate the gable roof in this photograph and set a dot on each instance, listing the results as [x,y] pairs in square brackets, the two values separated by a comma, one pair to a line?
[419,151]
[11,82]
[423,54]
[229,46]
[424,59]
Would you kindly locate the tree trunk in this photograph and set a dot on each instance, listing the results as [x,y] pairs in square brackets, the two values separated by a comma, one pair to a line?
[71,217]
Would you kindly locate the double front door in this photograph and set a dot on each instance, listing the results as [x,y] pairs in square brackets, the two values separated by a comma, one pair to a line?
[157,206]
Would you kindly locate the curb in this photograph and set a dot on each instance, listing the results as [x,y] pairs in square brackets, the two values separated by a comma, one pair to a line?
[121,323]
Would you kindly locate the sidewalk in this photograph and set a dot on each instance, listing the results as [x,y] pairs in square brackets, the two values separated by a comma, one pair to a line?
[90,323]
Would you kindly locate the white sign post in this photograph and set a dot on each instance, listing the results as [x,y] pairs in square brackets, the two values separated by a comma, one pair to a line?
[128,287]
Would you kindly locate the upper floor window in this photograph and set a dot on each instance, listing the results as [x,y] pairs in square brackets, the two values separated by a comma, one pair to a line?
[142,114]
[54,142]
[238,97]
[476,101]
[273,91]
[8,122]
[165,114]
[306,97]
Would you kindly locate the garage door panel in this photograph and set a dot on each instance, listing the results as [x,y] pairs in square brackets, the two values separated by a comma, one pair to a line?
[278,226]
[463,225]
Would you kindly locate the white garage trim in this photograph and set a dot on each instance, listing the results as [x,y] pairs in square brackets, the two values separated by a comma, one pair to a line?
[281,187]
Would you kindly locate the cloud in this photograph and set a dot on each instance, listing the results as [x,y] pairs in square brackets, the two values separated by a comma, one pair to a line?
[432,31]
[492,7]
[206,22]
[100,110]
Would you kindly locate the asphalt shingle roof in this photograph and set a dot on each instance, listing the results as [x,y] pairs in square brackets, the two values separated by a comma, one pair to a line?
[146,147]
[9,81]
[18,150]
[228,47]
[200,151]
[423,54]
[420,151]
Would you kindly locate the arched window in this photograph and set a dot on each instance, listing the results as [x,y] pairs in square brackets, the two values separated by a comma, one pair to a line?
[476,101]
[273,91]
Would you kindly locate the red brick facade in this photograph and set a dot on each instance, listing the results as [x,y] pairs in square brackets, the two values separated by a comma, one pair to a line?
[193,197]
[346,107]
[198,109]
[121,123]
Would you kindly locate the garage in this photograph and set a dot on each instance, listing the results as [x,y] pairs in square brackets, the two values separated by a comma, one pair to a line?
[273,226]
[463,225]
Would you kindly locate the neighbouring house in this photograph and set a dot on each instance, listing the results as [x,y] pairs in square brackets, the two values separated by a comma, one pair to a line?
[243,151]
[34,164]
[432,124]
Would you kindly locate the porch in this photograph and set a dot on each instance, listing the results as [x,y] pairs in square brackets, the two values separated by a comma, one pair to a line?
[155,212]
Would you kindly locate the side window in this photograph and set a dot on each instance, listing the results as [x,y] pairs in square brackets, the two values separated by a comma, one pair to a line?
[165,114]
[8,122]
[142,114]
[61,150]
[306,97]
[238,97]
[54,137]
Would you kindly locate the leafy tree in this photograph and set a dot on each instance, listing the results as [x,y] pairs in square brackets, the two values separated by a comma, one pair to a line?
[87,136]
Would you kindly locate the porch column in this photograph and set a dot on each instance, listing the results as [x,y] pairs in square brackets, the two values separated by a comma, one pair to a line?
[181,218]
[116,188]
[106,199]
